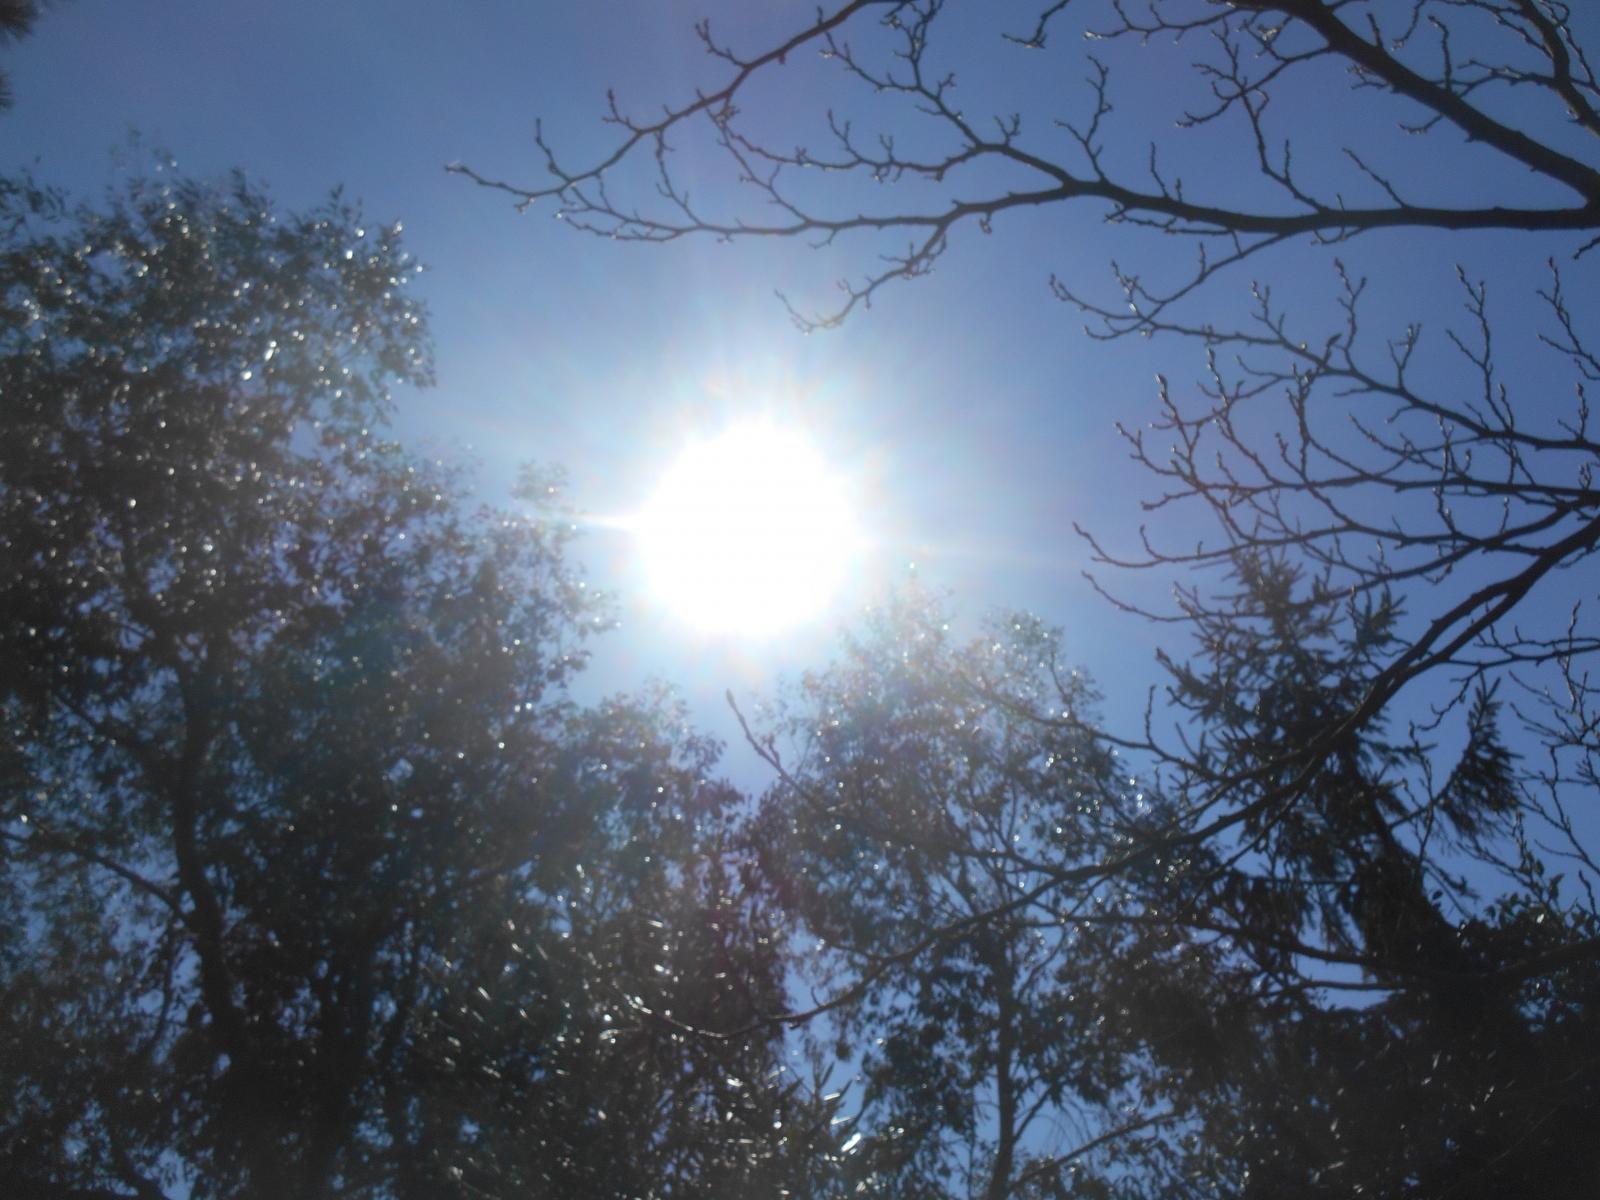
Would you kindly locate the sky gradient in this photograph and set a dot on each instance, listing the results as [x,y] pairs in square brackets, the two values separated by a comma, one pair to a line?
[975,418]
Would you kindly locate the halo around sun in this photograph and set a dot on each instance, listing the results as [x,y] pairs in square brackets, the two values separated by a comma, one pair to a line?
[749,533]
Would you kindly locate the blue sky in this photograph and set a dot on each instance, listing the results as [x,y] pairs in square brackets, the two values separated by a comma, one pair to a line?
[564,349]
[976,418]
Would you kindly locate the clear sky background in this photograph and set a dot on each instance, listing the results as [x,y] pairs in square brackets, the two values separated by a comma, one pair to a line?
[973,415]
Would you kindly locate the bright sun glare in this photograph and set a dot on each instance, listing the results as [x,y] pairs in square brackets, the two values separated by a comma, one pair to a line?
[749,533]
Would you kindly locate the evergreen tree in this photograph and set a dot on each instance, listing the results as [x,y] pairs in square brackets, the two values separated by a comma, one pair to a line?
[1367,1021]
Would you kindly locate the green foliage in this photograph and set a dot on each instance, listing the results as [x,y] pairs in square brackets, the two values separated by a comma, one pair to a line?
[1367,1025]
[939,792]
[1326,951]
[1252,974]
[316,882]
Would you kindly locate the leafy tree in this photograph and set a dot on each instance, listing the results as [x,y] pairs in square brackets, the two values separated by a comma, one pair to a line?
[1362,918]
[1315,1004]
[315,881]
[917,830]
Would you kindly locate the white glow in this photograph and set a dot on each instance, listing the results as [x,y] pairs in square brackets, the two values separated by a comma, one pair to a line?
[749,533]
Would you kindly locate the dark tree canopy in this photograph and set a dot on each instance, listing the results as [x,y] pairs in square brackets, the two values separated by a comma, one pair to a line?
[916,836]
[1351,944]
[17,19]
[1050,986]
[315,882]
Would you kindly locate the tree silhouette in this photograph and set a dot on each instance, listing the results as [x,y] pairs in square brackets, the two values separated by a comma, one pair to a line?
[316,883]
[1432,68]
[915,832]
[17,19]
[1357,932]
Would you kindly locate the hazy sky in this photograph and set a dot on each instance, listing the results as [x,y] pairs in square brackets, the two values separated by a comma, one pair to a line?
[976,418]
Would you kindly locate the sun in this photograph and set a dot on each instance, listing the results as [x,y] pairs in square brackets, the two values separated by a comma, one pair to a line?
[749,533]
